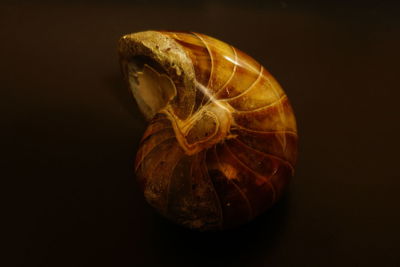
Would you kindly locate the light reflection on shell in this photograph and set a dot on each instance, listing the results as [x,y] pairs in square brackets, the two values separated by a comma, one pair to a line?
[222,140]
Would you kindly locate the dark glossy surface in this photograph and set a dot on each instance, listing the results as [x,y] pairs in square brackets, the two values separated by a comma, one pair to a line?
[70,132]
[230,158]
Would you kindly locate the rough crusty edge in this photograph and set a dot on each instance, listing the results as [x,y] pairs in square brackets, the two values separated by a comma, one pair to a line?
[166,52]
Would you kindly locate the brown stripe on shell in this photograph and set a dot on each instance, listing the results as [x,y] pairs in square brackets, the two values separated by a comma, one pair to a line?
[276,117]
[206,209]
[265,91]
[235,206]
[153,182]
[269,144]
[240,174]
[257,191]
[152,142]
[223,62]
[202,62]
[199,54]
[247,72]
[258,162]
[155,127]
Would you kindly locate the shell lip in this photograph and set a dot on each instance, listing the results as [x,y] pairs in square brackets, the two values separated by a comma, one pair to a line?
[170,56]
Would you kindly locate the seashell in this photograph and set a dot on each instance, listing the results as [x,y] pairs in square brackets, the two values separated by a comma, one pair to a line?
[221,142]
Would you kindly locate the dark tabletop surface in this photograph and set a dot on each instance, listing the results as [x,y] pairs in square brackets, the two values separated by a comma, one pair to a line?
[70,130]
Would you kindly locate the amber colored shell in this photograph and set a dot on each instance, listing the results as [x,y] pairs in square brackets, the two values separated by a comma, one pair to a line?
[221,150]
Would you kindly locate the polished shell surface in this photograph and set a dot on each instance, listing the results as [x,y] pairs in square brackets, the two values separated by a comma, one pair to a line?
[221,145]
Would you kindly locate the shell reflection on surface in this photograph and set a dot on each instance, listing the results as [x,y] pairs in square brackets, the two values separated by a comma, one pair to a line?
[221,141]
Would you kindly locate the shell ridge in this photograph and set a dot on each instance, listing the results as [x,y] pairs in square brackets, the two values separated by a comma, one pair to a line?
[209,54]
[205,171]
[211,61]
[247,201]
[260,74]
[266,154]
[280,99]
[231,76]
[256,174]
[220,151]
[145,136]
[169,184]
[282,116]
[142,157]
[241,128]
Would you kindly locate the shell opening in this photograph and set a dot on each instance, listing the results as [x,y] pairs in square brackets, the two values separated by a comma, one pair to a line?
[150,85]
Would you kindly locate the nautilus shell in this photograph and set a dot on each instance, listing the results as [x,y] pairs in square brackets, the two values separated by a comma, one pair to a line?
[221,142]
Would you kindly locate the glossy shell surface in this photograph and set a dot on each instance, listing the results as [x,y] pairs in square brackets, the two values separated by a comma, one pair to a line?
[221,142]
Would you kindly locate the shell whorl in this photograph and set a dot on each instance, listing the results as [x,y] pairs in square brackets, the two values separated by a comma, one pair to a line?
[222,140]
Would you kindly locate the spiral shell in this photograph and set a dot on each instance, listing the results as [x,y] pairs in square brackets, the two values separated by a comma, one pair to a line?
[222,140]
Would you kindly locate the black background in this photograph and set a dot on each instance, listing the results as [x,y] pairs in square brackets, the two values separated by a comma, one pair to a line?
[70,130]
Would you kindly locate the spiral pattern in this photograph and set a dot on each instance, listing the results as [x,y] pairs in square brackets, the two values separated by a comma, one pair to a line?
[222,149]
